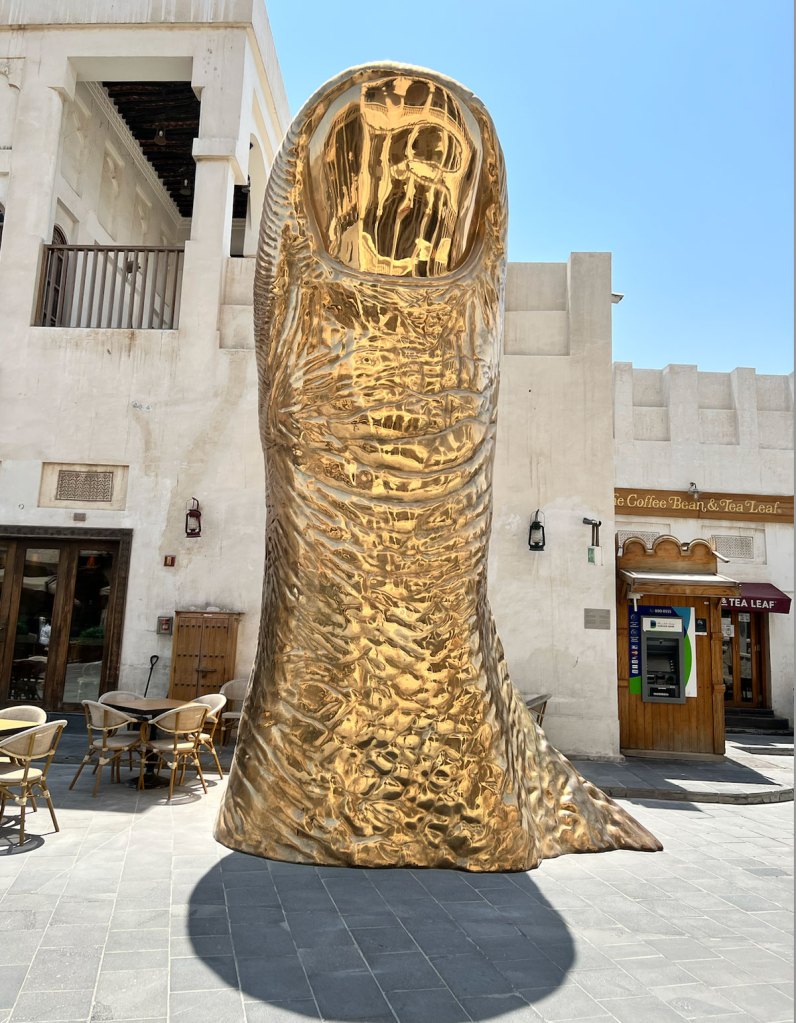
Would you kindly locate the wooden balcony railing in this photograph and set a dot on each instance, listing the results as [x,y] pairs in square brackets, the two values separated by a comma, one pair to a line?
[113,287]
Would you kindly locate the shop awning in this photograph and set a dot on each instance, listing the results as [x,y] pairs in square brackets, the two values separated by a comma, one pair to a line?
[759,597]
[682,584]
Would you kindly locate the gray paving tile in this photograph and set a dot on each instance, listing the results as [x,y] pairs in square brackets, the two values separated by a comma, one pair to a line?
[138,940]
[376,940]
[21,949]
[762,1002]
[124,919]
[332,959]
[404,971]
[44,1006]
[537,972]
[202,945]
[641,1009]
[349,996]
[12,921]
[425,1006]
[273,978]
[763,964]
[206,1007]
[190,973]
[656,972]
[681,950]
[70,936]
[82,912]
[11,978]
[471,974]
[63,969]
[296,1011]
[309,930]
[577,954]
[131,994]
[241,915]
[151,959]
[610,983]
[501,1008]
[566,1002]
[256,941]
[260,896]
[695,1001]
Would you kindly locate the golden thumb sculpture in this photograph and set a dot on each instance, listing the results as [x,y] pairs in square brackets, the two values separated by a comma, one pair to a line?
[381,727]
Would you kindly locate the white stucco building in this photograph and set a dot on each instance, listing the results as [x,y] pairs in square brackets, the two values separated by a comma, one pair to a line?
[727,434]
[139,141]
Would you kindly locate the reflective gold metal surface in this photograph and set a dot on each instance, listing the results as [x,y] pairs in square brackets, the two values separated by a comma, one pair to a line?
[381,727]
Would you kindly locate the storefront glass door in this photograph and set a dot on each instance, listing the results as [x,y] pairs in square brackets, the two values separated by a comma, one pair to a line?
[54,628]
[742,659]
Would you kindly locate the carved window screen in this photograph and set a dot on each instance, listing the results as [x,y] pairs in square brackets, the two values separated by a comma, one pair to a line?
[646,535]
[739,548]
[82,486]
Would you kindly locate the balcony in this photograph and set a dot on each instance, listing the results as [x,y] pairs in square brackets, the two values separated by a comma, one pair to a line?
[110,287]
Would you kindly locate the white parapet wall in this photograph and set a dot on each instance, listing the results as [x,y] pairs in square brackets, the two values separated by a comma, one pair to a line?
[555,453]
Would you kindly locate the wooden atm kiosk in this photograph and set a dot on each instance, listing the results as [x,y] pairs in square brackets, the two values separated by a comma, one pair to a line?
[669,647]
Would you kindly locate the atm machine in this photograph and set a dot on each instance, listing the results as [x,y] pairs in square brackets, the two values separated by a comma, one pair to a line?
[662,660]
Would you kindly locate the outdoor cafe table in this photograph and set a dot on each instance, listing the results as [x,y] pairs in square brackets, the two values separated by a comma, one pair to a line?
[144,710]
[9,726]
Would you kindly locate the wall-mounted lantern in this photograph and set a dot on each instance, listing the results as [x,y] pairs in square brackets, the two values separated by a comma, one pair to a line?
[193,519]
[536,532]
[595,530]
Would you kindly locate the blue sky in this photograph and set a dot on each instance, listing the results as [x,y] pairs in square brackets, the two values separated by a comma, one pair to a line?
[659,130]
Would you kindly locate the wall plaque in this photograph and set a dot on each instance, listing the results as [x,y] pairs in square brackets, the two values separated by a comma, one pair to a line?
[596,618]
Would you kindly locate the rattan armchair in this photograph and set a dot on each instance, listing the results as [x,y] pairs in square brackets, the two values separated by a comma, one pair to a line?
[25,712]
[234,692]
[118,694]
[20,780]
[102,725]
[215,702]
[183,726]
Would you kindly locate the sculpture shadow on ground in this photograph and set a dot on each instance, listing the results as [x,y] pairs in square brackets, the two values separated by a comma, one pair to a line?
[346,942]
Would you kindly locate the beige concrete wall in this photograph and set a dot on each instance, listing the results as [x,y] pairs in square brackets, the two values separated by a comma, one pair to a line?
[554,452]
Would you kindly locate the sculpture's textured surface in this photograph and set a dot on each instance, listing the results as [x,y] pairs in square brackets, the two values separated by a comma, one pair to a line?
[381,727]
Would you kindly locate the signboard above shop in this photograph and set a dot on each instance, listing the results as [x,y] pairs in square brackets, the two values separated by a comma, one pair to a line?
[680,504]
[758,597]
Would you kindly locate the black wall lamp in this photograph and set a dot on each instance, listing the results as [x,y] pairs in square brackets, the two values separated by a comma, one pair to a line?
[595,530]
[193,519]
[536,532]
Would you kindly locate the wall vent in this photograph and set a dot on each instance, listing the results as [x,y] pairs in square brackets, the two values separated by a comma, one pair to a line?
[737,548]
[76,484]
[646,535]
[86,487]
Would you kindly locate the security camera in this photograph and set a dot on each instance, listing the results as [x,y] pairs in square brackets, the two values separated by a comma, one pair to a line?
[592,522]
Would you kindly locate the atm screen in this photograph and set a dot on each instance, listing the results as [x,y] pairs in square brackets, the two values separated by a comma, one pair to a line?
[662,674]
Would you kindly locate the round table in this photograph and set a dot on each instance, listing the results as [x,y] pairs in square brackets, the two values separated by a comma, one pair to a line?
[144,710]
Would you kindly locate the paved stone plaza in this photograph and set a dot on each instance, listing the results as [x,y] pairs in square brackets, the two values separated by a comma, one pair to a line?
[133,912]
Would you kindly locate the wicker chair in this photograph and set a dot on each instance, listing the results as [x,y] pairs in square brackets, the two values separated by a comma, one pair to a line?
[215,702]
[118,694]
[234,691]
[20,780]
[25,712]
[102,725]
[537,705]
[183,726]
